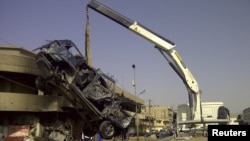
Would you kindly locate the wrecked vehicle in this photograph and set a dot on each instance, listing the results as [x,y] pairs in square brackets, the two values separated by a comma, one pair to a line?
[64,71]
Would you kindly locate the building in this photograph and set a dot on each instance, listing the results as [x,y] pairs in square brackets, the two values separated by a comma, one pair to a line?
[157,117]
[244,117]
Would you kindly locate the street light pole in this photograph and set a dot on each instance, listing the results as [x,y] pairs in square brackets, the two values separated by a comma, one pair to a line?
[136,118]
[149,106]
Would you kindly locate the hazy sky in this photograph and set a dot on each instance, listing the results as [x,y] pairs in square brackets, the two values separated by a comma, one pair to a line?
[212,37]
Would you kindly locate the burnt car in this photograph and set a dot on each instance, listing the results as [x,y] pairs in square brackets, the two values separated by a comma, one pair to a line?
[64,71]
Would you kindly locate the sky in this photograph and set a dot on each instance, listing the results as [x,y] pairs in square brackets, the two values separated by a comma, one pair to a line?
[211,36]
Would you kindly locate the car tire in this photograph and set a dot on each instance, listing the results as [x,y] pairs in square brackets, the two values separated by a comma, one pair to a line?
[107,130]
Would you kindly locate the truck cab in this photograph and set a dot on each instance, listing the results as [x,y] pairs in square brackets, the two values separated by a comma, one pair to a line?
[213,113]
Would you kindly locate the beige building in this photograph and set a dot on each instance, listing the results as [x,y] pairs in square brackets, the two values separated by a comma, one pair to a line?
[153,118]
[161,116]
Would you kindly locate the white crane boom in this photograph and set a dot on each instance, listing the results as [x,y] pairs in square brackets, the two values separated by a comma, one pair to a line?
[165,46]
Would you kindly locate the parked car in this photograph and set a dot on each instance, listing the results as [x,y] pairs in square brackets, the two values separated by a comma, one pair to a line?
[172,132]
[162,133]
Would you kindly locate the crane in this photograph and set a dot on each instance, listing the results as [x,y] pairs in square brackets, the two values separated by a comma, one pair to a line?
[166,48]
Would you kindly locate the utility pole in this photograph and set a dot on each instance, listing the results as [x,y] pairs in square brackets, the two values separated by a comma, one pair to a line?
[149,106]
[88,53]
[149,103]
[136,118]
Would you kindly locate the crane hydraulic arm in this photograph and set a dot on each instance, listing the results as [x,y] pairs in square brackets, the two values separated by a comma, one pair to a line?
[165,47]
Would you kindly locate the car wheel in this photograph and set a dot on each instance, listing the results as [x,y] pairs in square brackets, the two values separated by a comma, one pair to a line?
[107,130]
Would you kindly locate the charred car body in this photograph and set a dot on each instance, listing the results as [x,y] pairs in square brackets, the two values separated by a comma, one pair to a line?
[64,71]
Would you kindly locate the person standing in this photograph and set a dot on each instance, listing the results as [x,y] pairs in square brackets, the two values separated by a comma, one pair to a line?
[99,137]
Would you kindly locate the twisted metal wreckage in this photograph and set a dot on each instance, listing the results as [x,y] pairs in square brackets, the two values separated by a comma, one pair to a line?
[64,71]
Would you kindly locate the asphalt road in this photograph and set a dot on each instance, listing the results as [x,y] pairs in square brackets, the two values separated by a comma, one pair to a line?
[183,139]
[172,138]
[169,138]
